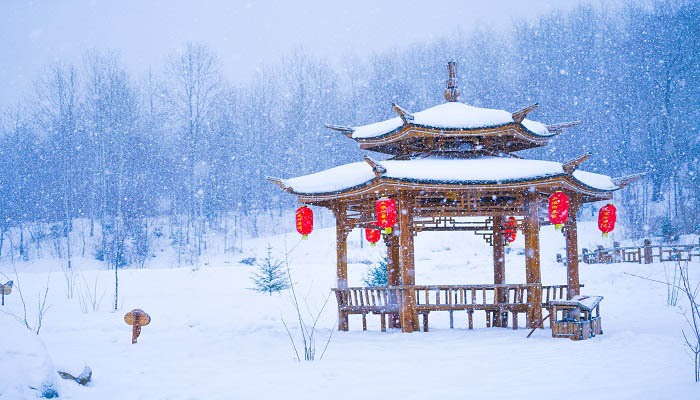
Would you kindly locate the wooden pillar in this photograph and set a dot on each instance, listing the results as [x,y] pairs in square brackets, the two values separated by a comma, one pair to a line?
[407,312]
[572,253]
[499,265]
[531,229]
[341,246]
[393,275]
[648,259]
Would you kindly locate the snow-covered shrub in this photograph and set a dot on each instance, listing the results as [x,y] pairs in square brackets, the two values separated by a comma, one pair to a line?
[29,371]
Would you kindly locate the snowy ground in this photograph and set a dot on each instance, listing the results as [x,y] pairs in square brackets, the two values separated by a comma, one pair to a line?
[213,338]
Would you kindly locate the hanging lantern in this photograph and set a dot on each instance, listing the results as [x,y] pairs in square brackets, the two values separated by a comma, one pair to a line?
[558,209]
[510,232]
[372,236]
[386,213]
[606,219]
[305,221]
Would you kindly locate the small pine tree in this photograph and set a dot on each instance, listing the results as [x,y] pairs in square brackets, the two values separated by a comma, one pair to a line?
[377,274]
[269,276]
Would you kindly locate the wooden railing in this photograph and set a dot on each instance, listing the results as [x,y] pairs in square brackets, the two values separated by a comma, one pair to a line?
[642,254]
[468,297]
[495,299]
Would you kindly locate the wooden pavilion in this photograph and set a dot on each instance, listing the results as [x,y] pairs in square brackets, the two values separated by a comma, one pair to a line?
[447,163]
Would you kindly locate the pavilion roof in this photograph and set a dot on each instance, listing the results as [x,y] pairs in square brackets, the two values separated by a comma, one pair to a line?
[451,116]
[474,171]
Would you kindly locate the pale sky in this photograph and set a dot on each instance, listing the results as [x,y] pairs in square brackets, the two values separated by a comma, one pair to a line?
[244,34]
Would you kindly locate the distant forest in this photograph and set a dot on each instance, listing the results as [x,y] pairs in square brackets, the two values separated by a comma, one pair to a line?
[93,141]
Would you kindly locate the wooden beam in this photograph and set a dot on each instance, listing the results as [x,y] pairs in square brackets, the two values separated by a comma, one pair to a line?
[376,167]
[572,277]
[345,130]
[531,229]
[406,116]
[623,181]
[519,115]
[571,165]
[558,128]
[279,182]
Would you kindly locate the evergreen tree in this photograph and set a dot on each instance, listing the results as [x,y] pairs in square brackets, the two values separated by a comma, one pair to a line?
[377,274]
[269,276]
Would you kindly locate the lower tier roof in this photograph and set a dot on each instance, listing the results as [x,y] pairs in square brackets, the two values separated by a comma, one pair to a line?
[475,171]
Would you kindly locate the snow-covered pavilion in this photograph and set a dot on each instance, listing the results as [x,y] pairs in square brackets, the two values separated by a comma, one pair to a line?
[446,163]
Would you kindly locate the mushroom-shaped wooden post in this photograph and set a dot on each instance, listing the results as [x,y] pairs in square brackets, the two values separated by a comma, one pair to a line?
[5,290]
[136,318]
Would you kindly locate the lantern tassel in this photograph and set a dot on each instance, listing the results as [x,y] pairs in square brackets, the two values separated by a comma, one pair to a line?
[557,227]
[304,237]
[372,244]
[605,234]
[387,231]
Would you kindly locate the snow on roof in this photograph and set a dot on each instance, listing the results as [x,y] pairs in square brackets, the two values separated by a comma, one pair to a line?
[483,170]
[451,115]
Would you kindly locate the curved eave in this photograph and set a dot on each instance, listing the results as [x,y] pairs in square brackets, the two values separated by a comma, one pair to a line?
[410,130]
[558,181]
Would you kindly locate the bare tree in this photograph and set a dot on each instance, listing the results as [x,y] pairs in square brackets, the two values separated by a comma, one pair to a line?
[195,82]
[692,338]
[57,111]
[112,108]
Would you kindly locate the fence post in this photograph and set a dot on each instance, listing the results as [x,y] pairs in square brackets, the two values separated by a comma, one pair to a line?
[617,254]
[585,257]
[647,251]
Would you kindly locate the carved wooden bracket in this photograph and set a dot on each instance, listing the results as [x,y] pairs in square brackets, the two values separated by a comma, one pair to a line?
[519,115]
[571,165]
[345,130]
[279,182]
[406,116]
[558,128]
[623,181]
[376,167]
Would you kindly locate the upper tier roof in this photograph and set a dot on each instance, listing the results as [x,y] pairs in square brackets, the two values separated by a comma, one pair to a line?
[452,116]
[454,129]
[475,171]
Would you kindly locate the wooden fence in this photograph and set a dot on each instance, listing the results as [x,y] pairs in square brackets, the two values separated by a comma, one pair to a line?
[643,254]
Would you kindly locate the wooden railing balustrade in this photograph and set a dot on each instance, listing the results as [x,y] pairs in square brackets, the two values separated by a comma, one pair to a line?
[497,300]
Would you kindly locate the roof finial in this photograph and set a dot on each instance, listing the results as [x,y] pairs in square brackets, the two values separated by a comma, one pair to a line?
[451,93]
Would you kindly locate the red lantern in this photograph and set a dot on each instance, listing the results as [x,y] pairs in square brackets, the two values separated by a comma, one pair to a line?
[386,213]
[510,230]
[305,221]
[558,209]
[606,219]
[372,236]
